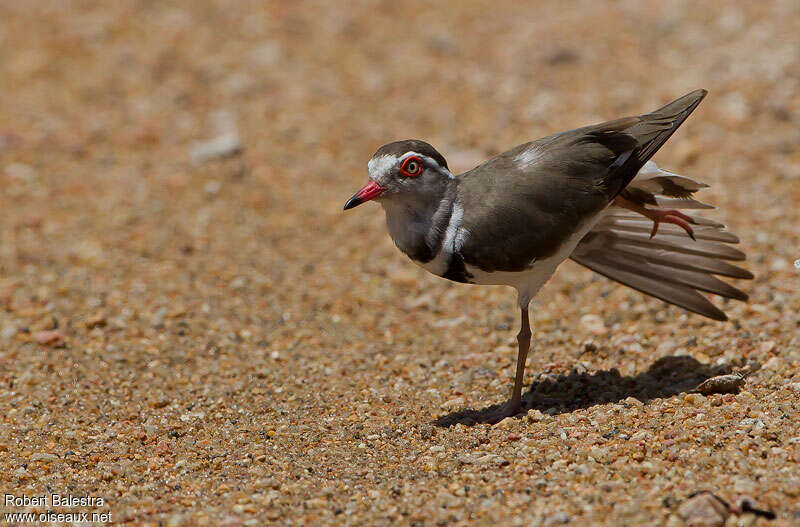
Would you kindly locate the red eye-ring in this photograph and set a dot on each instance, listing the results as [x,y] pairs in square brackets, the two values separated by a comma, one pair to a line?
[411,167]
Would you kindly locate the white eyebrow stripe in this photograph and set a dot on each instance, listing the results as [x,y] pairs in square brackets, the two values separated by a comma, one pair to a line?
[429,161]
[379,167]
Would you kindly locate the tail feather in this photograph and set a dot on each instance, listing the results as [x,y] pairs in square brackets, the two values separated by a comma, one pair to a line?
[655,180]
[684,277]
[622,214]
[684,297]
[670,230]
[699,248]
[682,203]
[686,261]
[655,186]
[670,266]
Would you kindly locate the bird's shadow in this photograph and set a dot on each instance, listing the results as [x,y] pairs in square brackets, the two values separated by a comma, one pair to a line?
[557,394]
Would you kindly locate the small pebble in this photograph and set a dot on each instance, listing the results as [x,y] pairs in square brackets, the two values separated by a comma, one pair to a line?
[51,337]
[704,510]
[721,384]
[453,403]
[559,518]
[773,364]
[8,331]
[592,324]
[226,143]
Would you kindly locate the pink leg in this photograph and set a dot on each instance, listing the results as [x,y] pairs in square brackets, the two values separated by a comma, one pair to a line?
[670,216]
[658,215]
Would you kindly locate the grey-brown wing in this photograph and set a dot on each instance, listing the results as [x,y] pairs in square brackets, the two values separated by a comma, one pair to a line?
[523,204]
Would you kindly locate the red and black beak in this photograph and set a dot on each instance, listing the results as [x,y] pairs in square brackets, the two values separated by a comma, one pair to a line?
[370,191]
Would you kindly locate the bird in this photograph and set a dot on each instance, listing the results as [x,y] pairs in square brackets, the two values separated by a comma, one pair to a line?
[592,195]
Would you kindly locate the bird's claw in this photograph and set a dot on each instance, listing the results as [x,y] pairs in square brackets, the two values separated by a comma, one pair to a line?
[670,216]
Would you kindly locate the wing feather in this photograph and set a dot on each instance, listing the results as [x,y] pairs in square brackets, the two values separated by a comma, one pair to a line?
[671,266]
[524,204]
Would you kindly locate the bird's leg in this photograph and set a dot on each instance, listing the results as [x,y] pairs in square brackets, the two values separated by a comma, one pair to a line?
[524,341]
[658,215]
[513,406]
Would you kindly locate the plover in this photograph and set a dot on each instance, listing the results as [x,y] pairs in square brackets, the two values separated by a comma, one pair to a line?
[590,194]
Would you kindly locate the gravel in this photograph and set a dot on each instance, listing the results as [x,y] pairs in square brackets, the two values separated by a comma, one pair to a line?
[208,340]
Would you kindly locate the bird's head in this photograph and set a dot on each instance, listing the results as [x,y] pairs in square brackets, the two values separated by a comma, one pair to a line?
[403,170]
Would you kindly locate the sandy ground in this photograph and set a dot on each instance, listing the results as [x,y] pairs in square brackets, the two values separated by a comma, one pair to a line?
[211,341]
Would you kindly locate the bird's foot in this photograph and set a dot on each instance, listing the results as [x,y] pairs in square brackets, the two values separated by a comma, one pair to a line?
[508,409]
[670,216]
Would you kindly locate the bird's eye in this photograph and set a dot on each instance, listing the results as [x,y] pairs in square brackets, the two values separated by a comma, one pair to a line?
[411,167]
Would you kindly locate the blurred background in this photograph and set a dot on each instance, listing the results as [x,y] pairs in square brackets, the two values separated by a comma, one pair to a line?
[171,231]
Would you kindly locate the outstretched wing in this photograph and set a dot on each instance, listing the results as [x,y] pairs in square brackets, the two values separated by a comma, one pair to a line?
[670,266]
[522,205]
